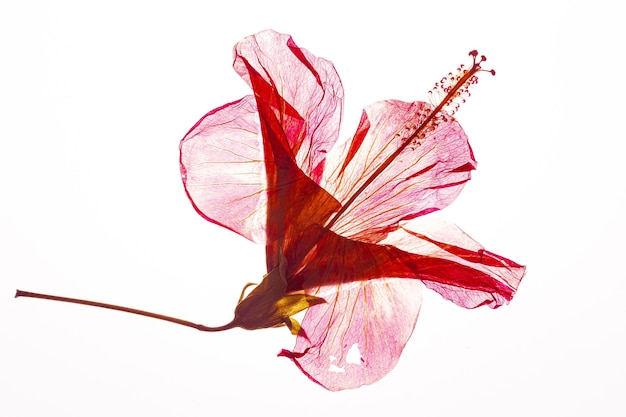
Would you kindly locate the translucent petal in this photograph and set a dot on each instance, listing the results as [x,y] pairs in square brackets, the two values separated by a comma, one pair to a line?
[456,266]
[222,167]
[368,309]
[462,267]
[222,158]
[357,336]
[425,176]
[303,92]
[299,101]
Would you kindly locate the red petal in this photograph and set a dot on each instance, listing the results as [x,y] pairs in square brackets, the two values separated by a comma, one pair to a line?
[462,271]
[303,92]
[357,336]
[299,103]
[222,166]
[426,176]
[456,266]
[377,314]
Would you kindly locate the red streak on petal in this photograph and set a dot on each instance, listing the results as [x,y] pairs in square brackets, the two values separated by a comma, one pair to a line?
[357,140]
[423,171]
[470,166]
[294,356]
[339,260]
[482,256]
[298,53]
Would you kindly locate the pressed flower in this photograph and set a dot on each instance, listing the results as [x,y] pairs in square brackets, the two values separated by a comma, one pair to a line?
[336,220]
[345,239]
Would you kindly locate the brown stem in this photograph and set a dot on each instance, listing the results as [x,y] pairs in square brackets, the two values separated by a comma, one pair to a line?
[200,327]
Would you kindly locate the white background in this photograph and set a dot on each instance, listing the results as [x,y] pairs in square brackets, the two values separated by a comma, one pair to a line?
[94,100]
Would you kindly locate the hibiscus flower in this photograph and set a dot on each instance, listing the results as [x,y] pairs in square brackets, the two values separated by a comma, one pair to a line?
[343,226]
[340,222]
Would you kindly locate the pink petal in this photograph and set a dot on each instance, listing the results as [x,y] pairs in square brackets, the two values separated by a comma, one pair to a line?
[295,202]
[222,166]
[303,92]
[426,176]
[299,103]
[357,336]
[457,267]
[462,271]
[366,309]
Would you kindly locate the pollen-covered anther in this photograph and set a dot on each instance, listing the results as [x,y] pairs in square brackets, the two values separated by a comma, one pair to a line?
[476,64]
[409,129]
[453,90]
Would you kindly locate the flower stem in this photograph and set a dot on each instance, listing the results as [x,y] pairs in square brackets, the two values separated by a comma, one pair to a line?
[200,327]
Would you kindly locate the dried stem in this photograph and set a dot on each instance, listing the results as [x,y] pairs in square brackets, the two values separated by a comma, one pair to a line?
[200,327]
